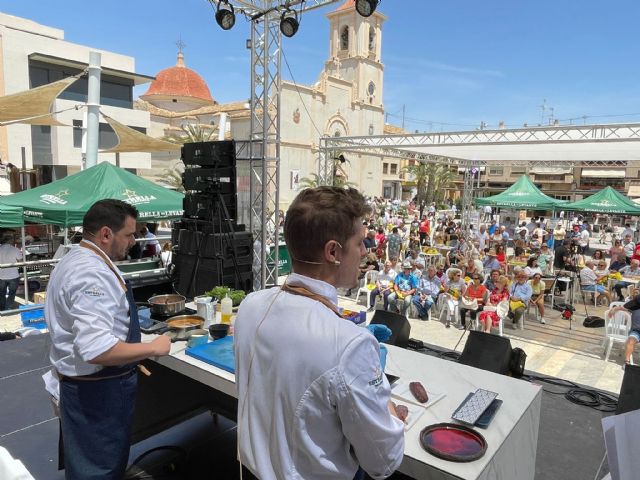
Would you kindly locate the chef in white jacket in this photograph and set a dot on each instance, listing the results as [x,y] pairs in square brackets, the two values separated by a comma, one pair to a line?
[313,401]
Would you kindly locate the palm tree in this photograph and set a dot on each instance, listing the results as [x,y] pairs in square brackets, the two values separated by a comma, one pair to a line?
[191,133]
[173,176]
[340,177]
[432,182]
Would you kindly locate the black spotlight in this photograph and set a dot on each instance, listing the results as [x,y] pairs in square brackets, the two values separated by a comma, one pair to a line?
[289,23]
[225,15]
[366,7]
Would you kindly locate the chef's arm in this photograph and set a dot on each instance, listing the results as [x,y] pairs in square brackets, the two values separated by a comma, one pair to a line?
[122,352]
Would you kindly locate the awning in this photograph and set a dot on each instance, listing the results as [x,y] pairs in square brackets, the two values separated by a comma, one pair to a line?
[551,170]
[137,78]
[634,191]
[33,106]
[600,173]
[130,140]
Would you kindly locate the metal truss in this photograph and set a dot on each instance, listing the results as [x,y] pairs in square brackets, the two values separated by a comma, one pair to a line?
[560,134]
[264,136]
[411,147]
[264,147]
[258,8]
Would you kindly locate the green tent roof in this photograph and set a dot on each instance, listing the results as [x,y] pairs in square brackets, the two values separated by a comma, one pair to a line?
[522,194]
[10,216]
[64,202]
[606,200]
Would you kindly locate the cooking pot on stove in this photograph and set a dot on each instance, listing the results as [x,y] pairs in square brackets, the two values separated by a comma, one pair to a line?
[166,305]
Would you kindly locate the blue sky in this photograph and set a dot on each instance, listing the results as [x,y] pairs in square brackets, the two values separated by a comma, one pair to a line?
[451,64]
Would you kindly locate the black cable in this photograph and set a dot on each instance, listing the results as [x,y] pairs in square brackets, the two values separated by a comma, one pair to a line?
[603,402]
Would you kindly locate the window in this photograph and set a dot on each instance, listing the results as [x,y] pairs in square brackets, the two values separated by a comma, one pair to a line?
[496,171]
[372,38]
[38,76]
[41,144]
[518,170]
[114,91]
[385,168]
[344,39]
[394,168]
[77,133]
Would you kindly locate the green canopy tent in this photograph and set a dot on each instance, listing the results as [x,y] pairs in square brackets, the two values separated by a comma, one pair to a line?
[522,195]
[64,202]
[10,217]
[606,200]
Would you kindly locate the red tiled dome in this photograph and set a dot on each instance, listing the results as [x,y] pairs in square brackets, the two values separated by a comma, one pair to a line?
[346,5]
[179,81]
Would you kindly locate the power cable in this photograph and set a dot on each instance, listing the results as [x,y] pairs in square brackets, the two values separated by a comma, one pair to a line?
[320,134]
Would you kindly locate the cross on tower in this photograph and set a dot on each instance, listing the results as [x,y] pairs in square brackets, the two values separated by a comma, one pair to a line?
[180,44]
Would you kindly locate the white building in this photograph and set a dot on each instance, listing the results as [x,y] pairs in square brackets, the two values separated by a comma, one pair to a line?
[32,55]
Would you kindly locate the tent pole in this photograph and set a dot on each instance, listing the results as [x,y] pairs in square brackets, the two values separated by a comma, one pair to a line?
[93,108]
[66,236]
[24,268]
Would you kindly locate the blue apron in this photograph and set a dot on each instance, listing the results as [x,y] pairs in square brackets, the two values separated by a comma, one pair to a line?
[96,413]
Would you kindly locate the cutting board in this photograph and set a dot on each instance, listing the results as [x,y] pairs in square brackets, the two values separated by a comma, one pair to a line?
[218,353]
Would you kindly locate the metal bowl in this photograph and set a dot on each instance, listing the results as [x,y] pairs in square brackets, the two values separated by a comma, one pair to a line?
[167,305]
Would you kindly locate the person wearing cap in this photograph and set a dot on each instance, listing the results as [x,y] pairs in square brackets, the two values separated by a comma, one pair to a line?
[559,233]
[427,292]
[491,262]
[492,227]
[404,286]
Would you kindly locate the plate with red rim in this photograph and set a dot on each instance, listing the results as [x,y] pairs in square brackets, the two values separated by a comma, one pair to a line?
[456,443]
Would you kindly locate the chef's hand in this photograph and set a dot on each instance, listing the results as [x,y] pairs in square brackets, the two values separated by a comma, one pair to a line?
[161,345]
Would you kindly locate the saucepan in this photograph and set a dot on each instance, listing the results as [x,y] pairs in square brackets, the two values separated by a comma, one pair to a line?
[167,305]
[181,325]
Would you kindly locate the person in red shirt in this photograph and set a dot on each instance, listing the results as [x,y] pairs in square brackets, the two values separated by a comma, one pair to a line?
[475,291]
[500,256]
[424,230]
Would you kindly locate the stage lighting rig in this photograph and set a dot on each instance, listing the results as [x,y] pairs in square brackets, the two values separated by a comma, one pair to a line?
[366,7]
[225,15]
[289,23]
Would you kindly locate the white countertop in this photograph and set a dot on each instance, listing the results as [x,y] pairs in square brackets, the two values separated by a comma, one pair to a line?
[517,419]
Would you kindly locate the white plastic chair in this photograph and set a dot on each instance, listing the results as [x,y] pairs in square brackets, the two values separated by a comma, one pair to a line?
[606,316]
[503,311]
[616,329]
[448,308]
[370,278]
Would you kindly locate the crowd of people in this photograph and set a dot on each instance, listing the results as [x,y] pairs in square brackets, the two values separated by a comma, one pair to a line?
[490,271]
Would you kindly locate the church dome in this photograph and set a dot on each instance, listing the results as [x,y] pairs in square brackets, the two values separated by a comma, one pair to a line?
[346,5]
[178,89]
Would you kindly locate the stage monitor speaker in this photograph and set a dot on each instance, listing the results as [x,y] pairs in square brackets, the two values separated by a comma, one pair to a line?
[210,180]
[629,398]
[487,352]
[398,324]
[210,154]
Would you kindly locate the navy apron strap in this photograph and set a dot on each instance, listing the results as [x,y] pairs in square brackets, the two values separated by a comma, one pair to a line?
[134,335]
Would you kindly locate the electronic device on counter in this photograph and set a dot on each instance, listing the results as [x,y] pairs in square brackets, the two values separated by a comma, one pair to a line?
[472,408]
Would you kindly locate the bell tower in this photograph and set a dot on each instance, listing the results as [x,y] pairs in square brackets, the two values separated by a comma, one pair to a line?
[355,49]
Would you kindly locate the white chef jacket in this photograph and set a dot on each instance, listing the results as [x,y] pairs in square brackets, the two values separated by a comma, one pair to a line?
[9,254]
[312,399]
[86,310]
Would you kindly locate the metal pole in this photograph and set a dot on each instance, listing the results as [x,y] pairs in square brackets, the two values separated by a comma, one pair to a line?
[24,269]
[93,108]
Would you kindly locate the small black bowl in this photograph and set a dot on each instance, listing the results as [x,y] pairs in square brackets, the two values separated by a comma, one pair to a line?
[218,330]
